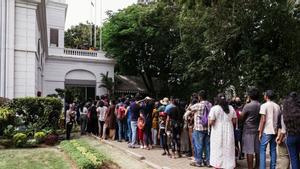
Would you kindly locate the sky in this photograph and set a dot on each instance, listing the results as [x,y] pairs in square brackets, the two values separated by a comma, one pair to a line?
[82,10]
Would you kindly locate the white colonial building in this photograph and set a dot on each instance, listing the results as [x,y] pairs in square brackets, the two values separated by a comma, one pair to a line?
[32,54]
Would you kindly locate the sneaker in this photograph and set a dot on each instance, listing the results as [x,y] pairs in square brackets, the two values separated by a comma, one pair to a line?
[163,153]
[145,147]
[142,147]
[195,164]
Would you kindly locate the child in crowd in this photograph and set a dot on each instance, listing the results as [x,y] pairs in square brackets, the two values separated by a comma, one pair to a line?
[162,132]
[141,125]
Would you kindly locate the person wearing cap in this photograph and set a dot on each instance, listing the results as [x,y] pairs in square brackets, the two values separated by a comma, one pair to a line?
[164,102]
[269,112]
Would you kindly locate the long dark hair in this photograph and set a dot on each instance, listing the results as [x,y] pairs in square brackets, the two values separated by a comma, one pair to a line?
[221,101]
[291,113]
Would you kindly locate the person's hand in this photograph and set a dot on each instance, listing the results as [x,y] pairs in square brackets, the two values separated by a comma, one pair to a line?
[158,136]
[259,136]
[278,140]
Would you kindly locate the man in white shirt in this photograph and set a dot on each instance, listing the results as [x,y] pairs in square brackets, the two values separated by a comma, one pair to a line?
[269,112]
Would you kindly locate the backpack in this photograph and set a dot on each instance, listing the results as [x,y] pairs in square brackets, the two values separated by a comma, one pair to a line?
[121,112]
[204,118]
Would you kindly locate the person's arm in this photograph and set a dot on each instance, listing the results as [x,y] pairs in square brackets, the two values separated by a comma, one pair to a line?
[261,125]
[167,122]
[211,118]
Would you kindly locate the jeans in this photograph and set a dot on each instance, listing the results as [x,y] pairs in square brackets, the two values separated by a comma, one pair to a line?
[293,145]
[176,139]
[134,130]
[121,129]
[154,136]
[83,123]
[201,140]
[69,129]
[101,126]
[129,133]
[265,140]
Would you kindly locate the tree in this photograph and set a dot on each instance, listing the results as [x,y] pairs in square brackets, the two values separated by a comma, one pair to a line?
[79,36]
[141,38]
[107,83]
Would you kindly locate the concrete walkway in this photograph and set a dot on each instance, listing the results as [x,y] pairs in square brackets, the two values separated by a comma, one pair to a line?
[154,159]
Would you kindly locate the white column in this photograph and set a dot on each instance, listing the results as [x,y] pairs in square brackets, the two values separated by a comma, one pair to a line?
[2,46]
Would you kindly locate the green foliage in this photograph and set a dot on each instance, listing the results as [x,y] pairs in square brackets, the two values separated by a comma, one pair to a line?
[84,155]
[38,113]
[79,36]
[31,143]
[7,117]
[107,83]
[4,102]
[39,136]
[141,38]
[9,131]
[19,139]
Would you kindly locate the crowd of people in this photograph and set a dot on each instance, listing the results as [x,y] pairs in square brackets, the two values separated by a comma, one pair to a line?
[213,134]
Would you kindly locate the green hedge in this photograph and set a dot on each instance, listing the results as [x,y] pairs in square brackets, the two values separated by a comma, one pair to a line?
[38,113]
[7,117]
[84,156]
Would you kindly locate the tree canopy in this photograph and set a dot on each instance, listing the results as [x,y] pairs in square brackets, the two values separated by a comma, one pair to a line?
[208,44]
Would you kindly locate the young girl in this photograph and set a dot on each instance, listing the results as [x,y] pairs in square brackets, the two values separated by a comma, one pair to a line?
[162,133]
[141,125]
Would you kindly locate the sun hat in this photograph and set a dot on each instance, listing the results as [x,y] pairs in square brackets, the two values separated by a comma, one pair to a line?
[164,101]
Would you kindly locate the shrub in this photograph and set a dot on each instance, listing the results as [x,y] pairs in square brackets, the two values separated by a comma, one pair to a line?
[4,102]
[6,142]
[7,117]
[38,112]
[31,143]
[19,139]
[39,136]
[9,131]
[84,156]
[51,139]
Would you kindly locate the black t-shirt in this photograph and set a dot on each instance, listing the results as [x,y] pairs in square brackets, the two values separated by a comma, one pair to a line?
[135,111]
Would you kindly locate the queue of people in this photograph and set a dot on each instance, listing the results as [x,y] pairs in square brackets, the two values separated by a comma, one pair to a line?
[213,134]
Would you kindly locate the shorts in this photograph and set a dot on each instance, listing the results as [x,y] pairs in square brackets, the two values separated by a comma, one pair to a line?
[250,143]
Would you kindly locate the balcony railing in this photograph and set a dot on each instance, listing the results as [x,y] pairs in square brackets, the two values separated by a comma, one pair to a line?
[79,52]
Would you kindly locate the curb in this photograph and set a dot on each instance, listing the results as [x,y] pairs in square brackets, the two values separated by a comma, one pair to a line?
[134,155]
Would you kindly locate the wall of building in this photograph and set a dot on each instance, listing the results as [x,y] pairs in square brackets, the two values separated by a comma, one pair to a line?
[7,22]
[28,73]
[57,68]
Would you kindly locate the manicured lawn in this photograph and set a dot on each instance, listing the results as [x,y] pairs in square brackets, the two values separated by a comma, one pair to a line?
[37,158]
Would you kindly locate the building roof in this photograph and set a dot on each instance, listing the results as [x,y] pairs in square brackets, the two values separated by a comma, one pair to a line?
[129,84]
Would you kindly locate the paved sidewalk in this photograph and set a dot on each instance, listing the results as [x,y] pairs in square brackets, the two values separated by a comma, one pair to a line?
[154,159]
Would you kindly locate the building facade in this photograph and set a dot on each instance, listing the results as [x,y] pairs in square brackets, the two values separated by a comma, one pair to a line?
[32,54]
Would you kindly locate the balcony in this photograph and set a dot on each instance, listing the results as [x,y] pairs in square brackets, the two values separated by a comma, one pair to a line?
[79,52]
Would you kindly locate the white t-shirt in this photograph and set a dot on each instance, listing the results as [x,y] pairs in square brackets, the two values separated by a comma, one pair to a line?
[271,110]
[101,111]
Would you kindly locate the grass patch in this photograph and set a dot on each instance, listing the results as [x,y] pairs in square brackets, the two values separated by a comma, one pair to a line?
[37,158]
[85,156]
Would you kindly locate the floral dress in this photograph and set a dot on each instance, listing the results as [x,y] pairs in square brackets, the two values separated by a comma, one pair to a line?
[222,147]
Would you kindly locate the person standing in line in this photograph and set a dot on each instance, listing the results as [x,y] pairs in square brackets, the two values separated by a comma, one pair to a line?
[110,121]
[155,123]
[291,119]
[268,129]
[70,120]
[135,111]
[84,119]
[282,149]
[128,120]
[121,114]
[222,119]
[147,114]
[201,138]
[164,102]
[141,126]
[250,116]
[162,133]
[94,119]
[101,110]
[174,123]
